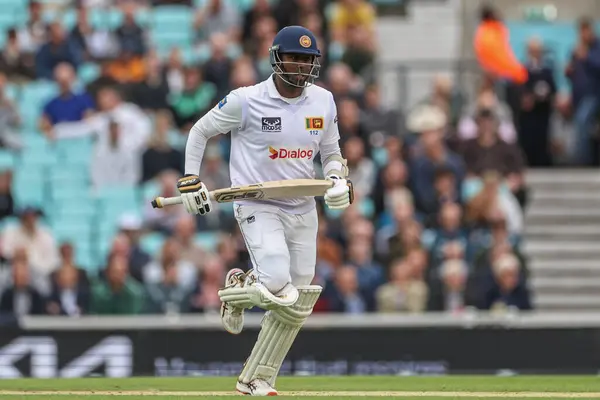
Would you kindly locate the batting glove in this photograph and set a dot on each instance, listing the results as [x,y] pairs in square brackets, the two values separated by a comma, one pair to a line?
[341,194]
[194,194]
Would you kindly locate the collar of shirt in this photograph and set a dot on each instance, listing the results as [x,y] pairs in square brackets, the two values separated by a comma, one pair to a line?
[274,93]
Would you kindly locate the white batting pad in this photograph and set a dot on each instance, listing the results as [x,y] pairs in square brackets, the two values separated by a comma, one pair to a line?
[278,332]
[255,294]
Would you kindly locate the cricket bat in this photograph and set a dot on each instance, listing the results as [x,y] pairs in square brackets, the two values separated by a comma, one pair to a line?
[259,191]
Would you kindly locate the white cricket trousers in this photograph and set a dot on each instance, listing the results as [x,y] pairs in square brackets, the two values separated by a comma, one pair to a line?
[282,246]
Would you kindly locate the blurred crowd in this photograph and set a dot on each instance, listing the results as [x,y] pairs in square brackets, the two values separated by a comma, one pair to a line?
[440,189]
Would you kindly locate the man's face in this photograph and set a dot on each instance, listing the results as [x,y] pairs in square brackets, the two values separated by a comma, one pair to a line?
[586,33]
[300,65]
[431,138]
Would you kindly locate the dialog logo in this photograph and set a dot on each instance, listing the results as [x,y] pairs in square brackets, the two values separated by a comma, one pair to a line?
[290,154]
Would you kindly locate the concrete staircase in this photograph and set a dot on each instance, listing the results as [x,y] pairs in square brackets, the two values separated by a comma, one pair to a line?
[562,239]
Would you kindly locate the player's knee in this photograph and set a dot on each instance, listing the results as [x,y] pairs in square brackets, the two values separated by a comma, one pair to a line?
[274,272]
[302,278]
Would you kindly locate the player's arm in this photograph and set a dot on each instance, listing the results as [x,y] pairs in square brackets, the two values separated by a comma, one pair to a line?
[224,117]
[341,195]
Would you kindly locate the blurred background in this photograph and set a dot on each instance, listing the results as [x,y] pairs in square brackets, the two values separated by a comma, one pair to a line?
[470,129]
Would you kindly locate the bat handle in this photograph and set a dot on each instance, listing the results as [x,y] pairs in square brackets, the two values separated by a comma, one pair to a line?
[161,202]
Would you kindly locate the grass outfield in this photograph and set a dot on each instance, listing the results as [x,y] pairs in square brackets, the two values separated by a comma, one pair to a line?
[447,387]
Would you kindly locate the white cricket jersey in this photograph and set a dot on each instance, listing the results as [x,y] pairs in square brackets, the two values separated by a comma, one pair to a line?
[272,138]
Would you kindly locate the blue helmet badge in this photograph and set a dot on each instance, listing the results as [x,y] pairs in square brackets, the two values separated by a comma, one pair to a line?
[294,56]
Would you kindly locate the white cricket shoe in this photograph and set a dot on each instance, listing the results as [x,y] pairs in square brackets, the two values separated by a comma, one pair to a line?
[232,318]
[257,387]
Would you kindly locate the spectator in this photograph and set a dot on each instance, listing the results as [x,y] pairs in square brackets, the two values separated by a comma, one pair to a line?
[218,69]
[119,293]
[390,186]
[21,298]
[343,294]
[563,132]
[262,59]
[359,53]
[487,100]
[205,297]
[369,273]
[263,29]
[58,49]
[197,98]
[218,16]
[9,119]
[380,120]
[173,72]
[453,292]
[349,14]
[403,293]
[167,296]
[488,153]
[70,287]
[449,232]
[185,235]
[341,83]
[288,13]
[536,108]
[260,9]
[32,36]
[128,244]
[105,80]
[94,44]
[350,125]
[170,256]
[583,72]
[127,68]
[213,168]
[401,215]
[68,106]
[14,62]
[130,35]
[362,169]
[7,204]
[227,250]
[152,94]
[122,130]
[446,98]
[487,196]
[329,253]
[164,219]
[160,156]
[508,290]
[429,155]
[243,74]
[404,240]
[37,240]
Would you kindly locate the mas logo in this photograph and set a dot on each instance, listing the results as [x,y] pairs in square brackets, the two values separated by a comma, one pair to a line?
[314,123]
[290,154]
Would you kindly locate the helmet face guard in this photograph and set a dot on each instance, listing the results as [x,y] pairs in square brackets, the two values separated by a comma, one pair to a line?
[292,72]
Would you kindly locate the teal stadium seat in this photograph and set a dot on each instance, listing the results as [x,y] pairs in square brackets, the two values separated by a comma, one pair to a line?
[88,72]
[207,240]
[12,92]
[7,160]
[34,97]
[74,177]
[152,243]
[150,190]
[172,27]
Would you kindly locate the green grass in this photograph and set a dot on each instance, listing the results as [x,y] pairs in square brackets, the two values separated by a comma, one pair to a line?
[560,385]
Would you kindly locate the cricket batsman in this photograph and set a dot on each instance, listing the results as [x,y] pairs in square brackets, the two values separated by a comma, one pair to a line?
[277,128]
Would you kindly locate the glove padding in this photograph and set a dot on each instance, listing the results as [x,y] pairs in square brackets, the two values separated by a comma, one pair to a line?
[341,194]
[194,194]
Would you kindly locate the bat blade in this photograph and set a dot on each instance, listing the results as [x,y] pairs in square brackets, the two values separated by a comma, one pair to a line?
[260,191]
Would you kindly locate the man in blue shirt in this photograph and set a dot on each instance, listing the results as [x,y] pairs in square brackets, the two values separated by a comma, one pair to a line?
[67,106]
[57,50]
[584,74]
